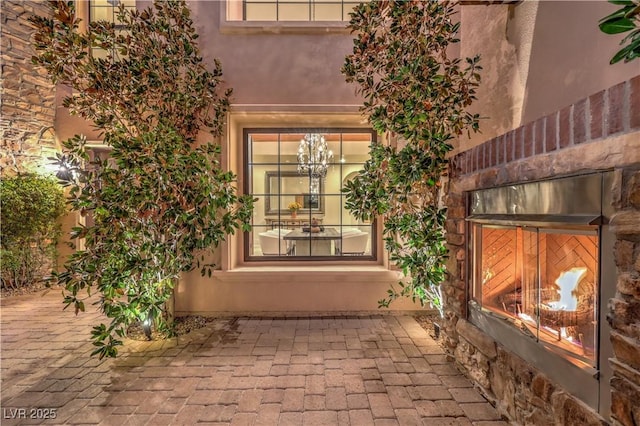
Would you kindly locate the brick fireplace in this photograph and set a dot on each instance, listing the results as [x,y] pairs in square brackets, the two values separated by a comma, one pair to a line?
[543,303]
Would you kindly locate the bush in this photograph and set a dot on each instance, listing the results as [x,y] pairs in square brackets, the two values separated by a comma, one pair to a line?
[162,201]
[31,206]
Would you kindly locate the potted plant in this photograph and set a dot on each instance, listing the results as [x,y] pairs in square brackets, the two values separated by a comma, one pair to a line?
[293,207]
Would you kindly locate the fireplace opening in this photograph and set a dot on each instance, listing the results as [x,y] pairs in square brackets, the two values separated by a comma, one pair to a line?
[541,271]
[545,280]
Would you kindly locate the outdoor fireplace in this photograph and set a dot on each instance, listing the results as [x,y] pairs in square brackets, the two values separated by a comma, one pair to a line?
[544,279]
[538,282]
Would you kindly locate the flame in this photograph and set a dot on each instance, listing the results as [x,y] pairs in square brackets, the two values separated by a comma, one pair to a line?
[526,317]
[568,281]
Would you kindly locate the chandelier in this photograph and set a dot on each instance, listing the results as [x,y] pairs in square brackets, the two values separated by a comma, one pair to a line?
[314,157]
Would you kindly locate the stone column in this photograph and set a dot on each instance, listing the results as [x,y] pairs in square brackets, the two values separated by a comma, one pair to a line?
[624,309]
[28,102]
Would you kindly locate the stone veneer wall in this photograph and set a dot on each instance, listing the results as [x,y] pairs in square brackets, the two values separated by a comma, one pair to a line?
[601,132]
[28,97]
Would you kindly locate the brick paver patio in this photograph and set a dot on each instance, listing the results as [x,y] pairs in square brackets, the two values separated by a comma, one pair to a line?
[347,370]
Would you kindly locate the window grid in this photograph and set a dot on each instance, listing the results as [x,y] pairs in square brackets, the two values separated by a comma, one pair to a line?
[297,10]
[273,217]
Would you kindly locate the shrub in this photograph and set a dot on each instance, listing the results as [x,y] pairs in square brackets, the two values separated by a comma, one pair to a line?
[31,206]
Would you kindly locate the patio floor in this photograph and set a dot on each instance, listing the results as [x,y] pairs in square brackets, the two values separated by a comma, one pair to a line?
[345,370]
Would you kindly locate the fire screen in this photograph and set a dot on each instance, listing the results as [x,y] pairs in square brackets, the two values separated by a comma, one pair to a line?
[544,280]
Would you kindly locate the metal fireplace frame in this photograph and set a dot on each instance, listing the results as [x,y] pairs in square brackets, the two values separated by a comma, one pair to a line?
[566,203]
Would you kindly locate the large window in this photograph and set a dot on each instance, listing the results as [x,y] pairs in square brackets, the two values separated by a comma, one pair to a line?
[305,169]
[290,10]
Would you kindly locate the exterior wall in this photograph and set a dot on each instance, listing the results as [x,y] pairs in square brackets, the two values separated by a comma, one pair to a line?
[538,57]
[27,111]
[288,290]
[599,132]
[272,67]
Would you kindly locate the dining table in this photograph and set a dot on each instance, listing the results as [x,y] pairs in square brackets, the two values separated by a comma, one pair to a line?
[314,243]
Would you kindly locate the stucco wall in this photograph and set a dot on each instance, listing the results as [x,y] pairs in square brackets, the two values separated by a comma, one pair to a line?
[538,57]
[265,67]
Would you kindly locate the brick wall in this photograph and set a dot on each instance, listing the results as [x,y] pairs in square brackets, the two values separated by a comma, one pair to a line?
[607,113]
[600,132]
[28,99]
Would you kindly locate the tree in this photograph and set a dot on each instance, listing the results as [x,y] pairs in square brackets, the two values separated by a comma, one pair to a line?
[413,91]
[161,201]
[625,19]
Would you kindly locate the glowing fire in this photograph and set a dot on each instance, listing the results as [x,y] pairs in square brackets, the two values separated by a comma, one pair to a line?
[568,281]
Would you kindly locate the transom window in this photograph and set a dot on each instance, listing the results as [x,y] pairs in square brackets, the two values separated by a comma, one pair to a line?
[290,10]
[297,176]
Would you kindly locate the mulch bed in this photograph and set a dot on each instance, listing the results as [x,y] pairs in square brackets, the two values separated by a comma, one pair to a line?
[428,323]
[183,325]
[186,324]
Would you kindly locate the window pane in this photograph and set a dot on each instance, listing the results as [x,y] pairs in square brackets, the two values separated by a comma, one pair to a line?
[261,12]
[348,7]
[293,12]
[327,12]
[263,148]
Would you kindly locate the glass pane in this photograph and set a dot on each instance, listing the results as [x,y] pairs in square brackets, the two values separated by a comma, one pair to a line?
[355,241]
[500,278]
[348,8]
[263,148]
[261,12]
[101,13]
[327,12]
[270,242]
[355,148]
[529,294]
[293,12]
[568,291]
[289,144]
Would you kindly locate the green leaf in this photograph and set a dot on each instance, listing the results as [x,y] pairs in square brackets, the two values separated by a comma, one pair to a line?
[617,26]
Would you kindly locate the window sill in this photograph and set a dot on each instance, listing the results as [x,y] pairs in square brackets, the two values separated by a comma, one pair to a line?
[316,269]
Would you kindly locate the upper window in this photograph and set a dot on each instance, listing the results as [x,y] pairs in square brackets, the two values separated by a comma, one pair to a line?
[290,10]
[106,10]
[297,176]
